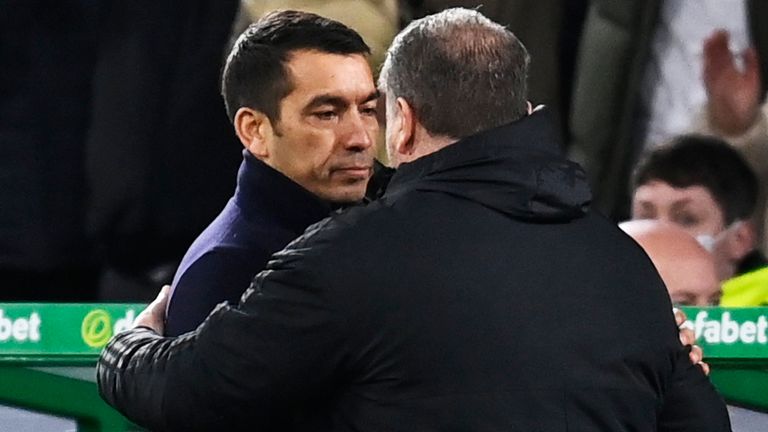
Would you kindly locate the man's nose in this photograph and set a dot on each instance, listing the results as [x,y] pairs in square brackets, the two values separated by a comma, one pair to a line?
[359,133]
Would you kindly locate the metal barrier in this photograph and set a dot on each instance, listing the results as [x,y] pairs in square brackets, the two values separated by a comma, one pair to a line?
[48,352]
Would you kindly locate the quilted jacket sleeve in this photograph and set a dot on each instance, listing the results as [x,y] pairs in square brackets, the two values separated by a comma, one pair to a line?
[256,364]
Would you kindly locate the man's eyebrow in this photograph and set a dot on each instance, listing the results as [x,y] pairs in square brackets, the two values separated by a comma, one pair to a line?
[326,99]
[681,202]
[373,96]
[336,101]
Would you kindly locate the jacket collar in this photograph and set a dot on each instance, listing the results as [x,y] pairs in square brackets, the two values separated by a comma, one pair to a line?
[517,169]
[263,191]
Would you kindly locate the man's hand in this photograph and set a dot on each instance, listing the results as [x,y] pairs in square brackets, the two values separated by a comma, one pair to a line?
[733,95]
[688,338]
[154,315]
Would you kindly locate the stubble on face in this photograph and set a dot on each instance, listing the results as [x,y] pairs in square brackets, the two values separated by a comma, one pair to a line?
[328,126]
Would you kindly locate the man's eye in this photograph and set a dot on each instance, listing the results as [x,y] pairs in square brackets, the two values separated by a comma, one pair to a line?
[641,215]
[714,300]
[686,220]
[369,111]
[644,213]
[325,115]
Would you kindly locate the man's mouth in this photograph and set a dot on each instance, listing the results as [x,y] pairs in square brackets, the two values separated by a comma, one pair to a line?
[355,171]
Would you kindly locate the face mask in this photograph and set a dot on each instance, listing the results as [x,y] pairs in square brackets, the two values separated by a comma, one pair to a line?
[708,241]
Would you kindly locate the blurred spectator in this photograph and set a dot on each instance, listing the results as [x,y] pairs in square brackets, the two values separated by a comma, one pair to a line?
[686,268]
[733,112]
[161,153]
[639,79]
[47,55]
[704,185]
[375,20]
[551,30]
[688,272]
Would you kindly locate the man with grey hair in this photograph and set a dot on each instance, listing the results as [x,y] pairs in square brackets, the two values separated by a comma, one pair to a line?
[431,308]
[467,61]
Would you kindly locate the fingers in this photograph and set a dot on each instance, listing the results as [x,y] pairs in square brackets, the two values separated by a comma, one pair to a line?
[687,337]
[696,354]
[718,59]
[162,297]
[717,39]
[154,315]
[704,367]
[680,316]
[751,63]
[716,45]
[159,305]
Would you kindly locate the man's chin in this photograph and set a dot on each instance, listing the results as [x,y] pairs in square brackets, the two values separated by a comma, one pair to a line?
[347,194]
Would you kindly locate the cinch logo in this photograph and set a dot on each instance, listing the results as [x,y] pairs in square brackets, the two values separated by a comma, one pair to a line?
[20,329]
[728,331]
[97,327]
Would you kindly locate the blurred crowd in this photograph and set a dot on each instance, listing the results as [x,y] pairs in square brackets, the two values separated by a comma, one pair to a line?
[116,151]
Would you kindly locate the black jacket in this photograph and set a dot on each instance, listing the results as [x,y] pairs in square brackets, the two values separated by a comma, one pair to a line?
[478,294]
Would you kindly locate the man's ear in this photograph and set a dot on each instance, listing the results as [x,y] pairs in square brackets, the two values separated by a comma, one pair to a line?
[742,240]
[406,128]
[254,130]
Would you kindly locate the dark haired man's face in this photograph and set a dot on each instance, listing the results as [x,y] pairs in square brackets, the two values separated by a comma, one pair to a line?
[325,137]
[692,208]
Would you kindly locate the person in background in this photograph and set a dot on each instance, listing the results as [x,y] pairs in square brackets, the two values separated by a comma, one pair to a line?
[640,80]
[704,185]
[687,269]
[374,20]
[431,307]
[735,112]
[301,97]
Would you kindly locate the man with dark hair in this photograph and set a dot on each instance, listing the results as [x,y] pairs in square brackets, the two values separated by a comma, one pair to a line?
[705,186]
[431,308]
[300,94]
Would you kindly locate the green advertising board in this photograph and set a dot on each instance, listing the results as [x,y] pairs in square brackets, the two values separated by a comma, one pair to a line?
[730,333]
[42,331]
[47,357]
[48,353]
[82,330]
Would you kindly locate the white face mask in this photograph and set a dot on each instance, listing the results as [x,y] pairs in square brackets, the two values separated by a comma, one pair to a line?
[708,241]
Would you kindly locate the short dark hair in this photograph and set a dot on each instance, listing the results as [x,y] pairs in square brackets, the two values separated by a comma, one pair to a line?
[255,74]
[461,72]
[697,160]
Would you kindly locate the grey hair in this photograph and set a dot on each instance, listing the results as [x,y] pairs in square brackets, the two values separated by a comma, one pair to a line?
[461,72]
